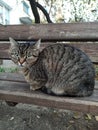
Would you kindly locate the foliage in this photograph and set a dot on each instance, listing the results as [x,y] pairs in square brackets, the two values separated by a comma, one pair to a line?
[11,70]
[71,10]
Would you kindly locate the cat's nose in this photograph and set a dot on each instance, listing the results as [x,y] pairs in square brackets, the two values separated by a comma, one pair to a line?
[21,60]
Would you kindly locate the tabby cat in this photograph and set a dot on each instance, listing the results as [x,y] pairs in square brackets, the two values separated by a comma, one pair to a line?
[58,69]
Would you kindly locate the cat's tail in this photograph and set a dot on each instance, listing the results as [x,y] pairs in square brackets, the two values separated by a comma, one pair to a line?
[81,90]
[86,89]
[54,90]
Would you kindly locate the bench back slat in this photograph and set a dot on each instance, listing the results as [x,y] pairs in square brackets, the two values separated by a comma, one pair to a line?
[90,48]
[51,32]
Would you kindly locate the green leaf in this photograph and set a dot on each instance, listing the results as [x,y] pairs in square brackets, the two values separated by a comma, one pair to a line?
[88,117]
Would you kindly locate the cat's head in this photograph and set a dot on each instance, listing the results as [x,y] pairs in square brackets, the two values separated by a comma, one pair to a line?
[24,54]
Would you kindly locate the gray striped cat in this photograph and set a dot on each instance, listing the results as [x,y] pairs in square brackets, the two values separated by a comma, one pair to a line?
[58,69]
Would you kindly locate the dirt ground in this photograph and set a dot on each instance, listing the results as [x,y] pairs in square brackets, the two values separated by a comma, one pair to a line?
[31,117]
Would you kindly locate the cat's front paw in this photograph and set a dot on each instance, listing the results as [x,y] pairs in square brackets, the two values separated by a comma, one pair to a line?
[33,88]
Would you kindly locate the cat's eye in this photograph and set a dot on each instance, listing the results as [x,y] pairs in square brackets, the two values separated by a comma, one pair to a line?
[15,54]
[29,54]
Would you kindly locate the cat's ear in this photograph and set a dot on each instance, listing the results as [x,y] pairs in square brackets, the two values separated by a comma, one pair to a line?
[12,41]
[37,44]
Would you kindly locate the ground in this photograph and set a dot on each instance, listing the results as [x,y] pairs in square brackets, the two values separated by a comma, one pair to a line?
[31,117]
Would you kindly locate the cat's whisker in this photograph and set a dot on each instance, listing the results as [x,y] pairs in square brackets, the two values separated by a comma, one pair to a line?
[20,65]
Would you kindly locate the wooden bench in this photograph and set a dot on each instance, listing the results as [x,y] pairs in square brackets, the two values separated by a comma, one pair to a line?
[13,86]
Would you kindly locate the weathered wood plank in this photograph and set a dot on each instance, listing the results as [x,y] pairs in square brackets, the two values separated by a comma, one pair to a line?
[90,48]
[51,32]
[14,77]
[19,92]
[14,88]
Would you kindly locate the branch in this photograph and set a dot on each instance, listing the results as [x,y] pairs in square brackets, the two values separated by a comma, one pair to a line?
[35,11]
[44,12]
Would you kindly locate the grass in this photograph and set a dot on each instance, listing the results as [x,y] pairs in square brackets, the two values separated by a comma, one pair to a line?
[2,69]
[96,69]
[11,70]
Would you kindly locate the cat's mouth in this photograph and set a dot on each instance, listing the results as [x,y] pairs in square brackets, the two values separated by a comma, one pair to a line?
[22,65]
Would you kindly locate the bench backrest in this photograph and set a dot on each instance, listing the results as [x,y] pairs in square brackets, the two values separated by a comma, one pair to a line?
[81,35]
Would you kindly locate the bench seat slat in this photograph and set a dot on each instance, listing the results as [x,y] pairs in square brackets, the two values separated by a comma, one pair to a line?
[18,77]
[14,77]
[20,92]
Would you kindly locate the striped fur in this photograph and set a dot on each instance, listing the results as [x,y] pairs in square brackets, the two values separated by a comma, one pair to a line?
[58,69]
